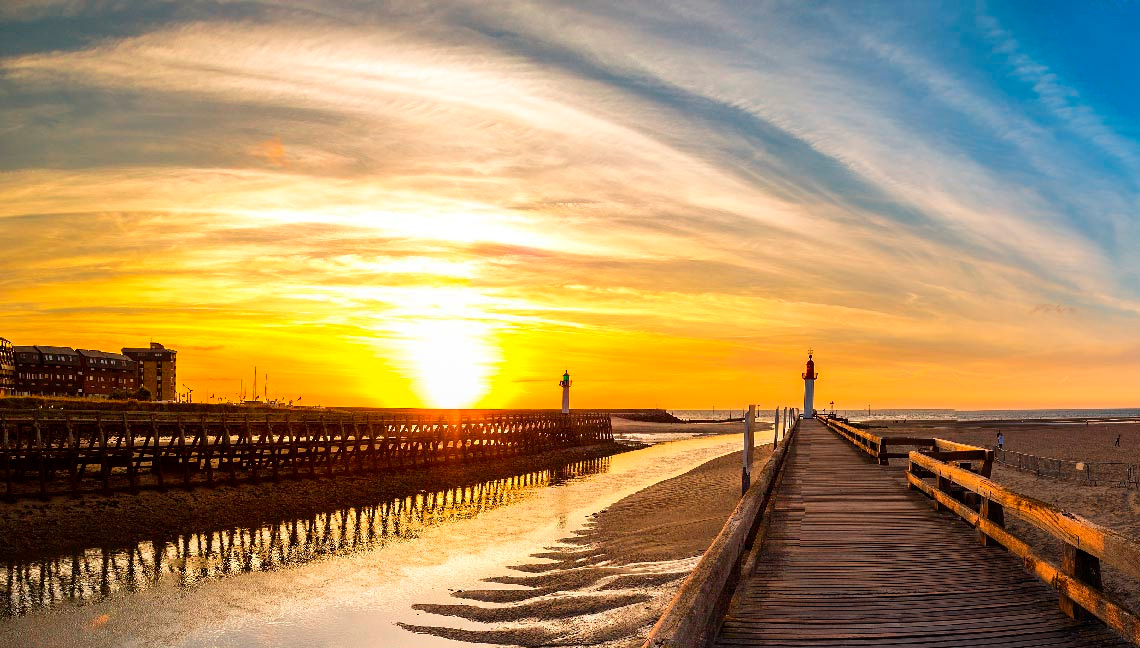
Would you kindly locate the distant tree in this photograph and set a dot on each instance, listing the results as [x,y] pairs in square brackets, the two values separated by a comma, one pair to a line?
[142,394]
[119,394]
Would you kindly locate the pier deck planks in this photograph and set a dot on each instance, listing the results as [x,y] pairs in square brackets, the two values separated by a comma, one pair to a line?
[852,558]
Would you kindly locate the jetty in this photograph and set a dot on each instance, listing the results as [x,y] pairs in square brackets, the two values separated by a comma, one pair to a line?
[75,453]
[847,538]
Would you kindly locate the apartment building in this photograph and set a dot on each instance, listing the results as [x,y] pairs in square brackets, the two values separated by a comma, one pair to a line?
[104,373]
[157,370]
[48,371]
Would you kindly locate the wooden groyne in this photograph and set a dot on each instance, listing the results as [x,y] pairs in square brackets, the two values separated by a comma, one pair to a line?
[43,455]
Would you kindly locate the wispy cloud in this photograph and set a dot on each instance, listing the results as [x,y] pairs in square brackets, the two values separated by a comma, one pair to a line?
[740,180]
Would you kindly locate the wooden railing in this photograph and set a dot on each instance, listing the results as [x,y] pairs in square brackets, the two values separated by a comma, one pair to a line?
[983,503]
[82,453]
[693,617]
[961,484]
[879,447]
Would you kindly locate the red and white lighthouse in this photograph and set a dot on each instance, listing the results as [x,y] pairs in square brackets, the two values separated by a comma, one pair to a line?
[809,387]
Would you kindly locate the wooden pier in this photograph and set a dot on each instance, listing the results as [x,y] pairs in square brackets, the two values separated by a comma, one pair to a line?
[43,455]
[839,548]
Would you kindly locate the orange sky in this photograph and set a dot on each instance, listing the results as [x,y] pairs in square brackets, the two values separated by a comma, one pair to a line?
[416,210]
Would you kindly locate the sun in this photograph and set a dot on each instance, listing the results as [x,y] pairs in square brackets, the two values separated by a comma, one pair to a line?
[451,361]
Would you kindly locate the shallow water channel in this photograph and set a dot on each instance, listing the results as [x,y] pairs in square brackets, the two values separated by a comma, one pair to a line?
[344,578]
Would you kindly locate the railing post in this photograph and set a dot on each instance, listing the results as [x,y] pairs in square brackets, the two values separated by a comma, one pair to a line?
[1083,567]
[942,484]
[995,514]
[749,444]
[776,429]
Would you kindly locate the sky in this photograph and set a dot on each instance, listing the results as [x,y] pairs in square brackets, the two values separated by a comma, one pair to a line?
[449,203]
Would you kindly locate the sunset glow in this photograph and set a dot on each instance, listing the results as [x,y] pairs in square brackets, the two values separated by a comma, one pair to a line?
[448,206]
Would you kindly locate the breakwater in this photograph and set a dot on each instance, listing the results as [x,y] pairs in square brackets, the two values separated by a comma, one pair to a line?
[76,453]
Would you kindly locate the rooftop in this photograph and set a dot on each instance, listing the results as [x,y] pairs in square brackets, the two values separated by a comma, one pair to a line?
[56,350]
[153,348]
[92,353]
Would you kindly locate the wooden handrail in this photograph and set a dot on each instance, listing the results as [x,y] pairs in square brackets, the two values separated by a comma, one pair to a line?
[861,439]
[693,616]
[878,447]
[1085,543]
[953,446]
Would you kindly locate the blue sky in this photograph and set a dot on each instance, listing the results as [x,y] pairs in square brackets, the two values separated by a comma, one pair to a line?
[925,190]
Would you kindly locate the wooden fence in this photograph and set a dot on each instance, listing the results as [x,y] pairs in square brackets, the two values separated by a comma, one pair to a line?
[961,484]
[1094,473]
[82,453]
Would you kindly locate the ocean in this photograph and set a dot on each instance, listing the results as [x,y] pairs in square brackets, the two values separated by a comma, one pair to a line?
[708,415]
[934,414]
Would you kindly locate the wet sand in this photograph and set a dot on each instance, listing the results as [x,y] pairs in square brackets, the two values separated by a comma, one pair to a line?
[608,583]
[30,528]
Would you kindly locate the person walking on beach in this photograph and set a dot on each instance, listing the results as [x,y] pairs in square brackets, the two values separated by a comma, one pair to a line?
[1118,440]
[1001,440]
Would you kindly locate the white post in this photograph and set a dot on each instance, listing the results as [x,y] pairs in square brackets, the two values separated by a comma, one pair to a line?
[749,445]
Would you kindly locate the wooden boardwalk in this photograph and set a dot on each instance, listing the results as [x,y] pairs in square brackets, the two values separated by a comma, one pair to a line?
[852,558]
